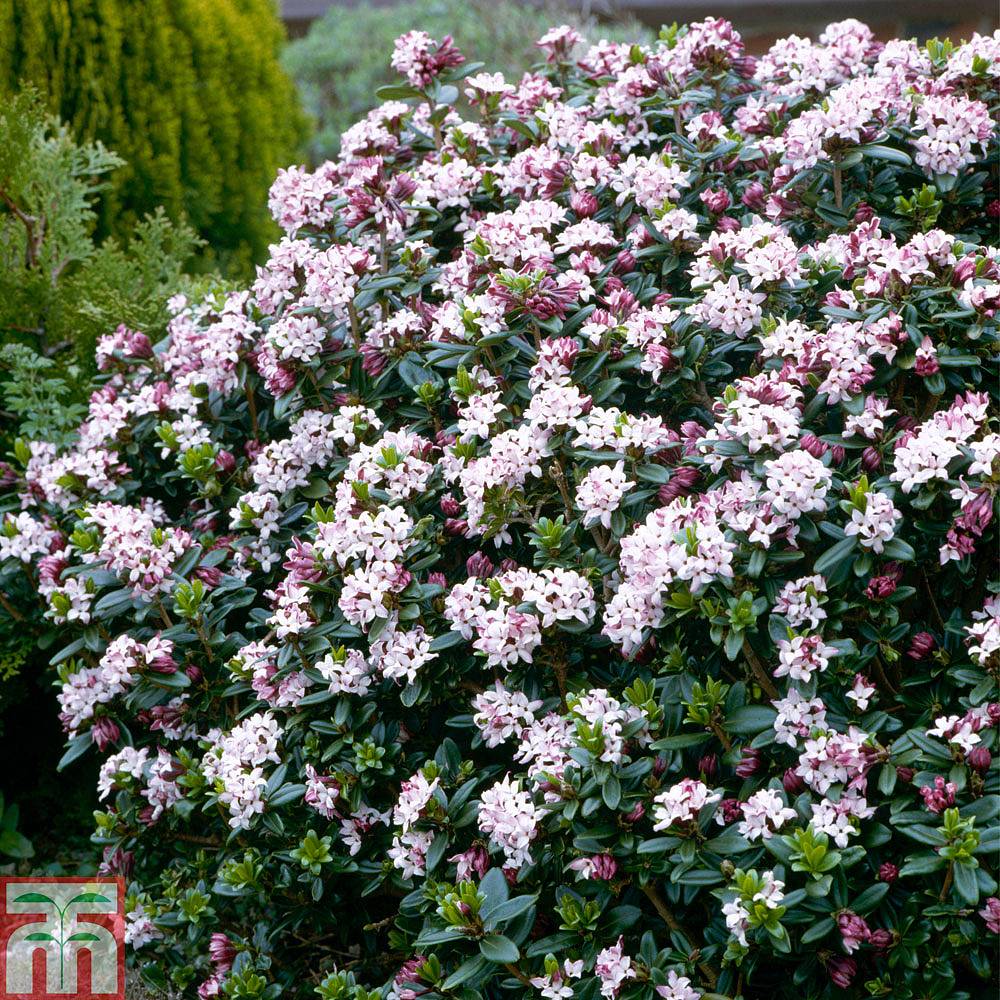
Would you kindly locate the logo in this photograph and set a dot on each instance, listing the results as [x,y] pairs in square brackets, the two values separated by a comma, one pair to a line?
[62,937]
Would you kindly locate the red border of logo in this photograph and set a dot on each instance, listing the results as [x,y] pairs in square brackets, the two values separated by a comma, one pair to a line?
[114,922]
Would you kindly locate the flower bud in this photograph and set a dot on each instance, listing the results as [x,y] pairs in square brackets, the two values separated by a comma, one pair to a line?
[638,811]
[716,200]
[841,971]
[871,459]
[104,732]
[792,782]
[584,203]
[225,461]
[709,765]
[905,774]
[730,810]
[813,445]
[211,576]
[979,759]
[750,762]
[754,197]
[920,645]
[479,564]
[888,872]
[221,952]
[863,213]
[624,262]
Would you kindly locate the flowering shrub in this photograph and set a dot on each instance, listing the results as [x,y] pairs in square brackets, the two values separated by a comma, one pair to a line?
[566,571]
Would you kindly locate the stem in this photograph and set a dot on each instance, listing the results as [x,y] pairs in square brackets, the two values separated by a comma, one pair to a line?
[9,608]
[759,672]
[560,479]
[838,187]
[721,734]
[949,875]
[253,409]
[517,973]
[882,676]
[355,330]
[660,905]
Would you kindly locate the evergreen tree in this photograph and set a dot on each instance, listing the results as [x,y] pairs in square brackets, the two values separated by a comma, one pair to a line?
[188,92]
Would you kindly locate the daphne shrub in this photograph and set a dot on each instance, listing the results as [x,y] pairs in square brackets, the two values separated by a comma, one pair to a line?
[567,570]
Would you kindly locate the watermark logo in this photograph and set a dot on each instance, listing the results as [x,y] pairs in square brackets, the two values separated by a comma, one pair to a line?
[62,937]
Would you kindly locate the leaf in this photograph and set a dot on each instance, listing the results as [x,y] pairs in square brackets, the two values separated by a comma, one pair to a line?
[966,884]
[818,930]
[611,791]
[494,887]
[467,970]
[499,949]
[89,897]
[34,897]
[835,554]
[877,151]
[870,898]
[750,719]
[39,936]
[83,936]
[507,910]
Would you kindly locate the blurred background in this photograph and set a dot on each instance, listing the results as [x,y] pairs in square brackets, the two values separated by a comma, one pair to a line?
[760,21]
[138,141]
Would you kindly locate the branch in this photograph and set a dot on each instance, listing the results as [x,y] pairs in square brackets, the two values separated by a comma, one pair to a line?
[759,672]
[707,973]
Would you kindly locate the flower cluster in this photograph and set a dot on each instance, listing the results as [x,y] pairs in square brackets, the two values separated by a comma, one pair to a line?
[565,571]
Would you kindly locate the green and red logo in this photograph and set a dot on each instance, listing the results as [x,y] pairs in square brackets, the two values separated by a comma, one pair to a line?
[62,937]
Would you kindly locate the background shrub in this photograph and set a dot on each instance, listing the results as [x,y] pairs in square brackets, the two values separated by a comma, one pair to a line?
[563,571]
[189,93]
[344,59]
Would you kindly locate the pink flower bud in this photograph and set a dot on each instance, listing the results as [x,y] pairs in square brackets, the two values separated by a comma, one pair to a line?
[624,262]
[871,459]
[863,213]
[221,952]
[813,445]
[709,765]
[225,461]
[920,645]
[583,203]
[104,732]
[888,872]
[139,345]
[841,971]
[211,576]
[716,200]
[792,782]
[750,762]
[853,930]
[730,810]
[979,758]
[480,565]
[636,814]
[754,197]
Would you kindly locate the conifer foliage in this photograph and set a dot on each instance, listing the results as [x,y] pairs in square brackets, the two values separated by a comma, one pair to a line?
[189,93]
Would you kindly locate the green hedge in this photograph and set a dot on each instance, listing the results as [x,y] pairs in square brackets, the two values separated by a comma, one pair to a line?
[189,92]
